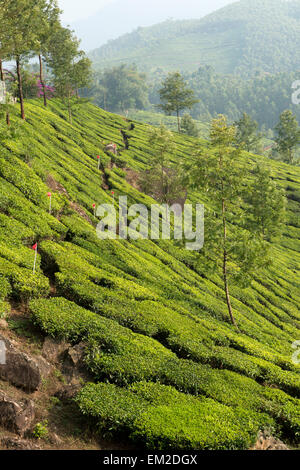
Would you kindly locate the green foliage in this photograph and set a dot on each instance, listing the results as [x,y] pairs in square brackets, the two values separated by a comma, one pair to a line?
[160,181]
[266,205]
[71,68]
[162,418]
[223,174]
[188,126]
[119,89]
[148,311]
[175,96]
[247,135]
[288,136]
[40,430]
[242,38]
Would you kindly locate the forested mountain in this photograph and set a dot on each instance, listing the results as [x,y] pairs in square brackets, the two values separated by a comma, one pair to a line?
[243,38]
[264,97]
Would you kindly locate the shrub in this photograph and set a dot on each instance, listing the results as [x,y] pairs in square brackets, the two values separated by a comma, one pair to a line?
[162,418]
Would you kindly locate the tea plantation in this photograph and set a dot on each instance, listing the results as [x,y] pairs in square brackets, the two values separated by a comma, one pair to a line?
[169,369]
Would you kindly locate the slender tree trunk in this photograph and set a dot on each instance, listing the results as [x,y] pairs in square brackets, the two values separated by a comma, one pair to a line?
[1,71]
[2,78]
[178,121]
[20,87]
[42,79]
[226,287]
[69,109]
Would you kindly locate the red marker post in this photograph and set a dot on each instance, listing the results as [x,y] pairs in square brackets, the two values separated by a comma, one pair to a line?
[113,195]
[99,159]
[35,248]
[94,207]
[50,201]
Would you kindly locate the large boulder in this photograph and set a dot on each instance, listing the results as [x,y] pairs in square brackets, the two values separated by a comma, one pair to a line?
[16,416]
[21,370]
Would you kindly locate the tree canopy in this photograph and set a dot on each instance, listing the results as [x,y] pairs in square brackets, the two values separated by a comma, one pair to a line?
[175,96]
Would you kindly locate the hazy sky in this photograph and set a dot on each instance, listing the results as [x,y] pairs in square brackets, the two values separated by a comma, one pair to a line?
[97,21]
[78,9]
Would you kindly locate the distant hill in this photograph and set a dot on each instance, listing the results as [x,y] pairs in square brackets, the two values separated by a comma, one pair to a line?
[243,37]
[118,17]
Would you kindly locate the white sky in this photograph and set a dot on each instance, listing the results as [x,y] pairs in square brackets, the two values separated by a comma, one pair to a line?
[79,9]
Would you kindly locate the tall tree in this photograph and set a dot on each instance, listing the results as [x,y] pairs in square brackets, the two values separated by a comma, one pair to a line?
[50,14]
[2,41]
[188,126]
[288,135]
[70,66]
[4,50]
[263,194]
[247,133]
[21,37]
[120,88]
[175,96]
[242,215]
[161,181]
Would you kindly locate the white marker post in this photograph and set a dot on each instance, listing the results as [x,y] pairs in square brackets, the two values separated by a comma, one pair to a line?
[113,195]
[99,159]
[94,207]
[50,201]
[35,248]
[2,353]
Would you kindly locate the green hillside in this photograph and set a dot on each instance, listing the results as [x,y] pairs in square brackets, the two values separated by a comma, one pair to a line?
[242,38]
[169,369]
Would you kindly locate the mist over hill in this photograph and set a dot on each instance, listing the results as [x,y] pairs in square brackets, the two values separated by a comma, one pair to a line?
[123,16]
[243,38]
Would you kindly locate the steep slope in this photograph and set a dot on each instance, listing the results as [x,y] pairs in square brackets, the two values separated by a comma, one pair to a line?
[242,38]
[169,369]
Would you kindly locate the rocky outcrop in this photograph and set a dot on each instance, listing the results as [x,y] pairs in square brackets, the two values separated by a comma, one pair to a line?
[75,356]
[16,416]
[68,392]
[21,370]
[73,365]
[54,351]
[268,442]
[15,443]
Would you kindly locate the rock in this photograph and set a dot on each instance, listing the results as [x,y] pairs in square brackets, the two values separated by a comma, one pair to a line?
[54,350]
[16,416]
[3,324]
[73,366]
[44,367]
[15,443]
[68,392]
[55,439]
[268,442]
[76,355]
[21,370]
